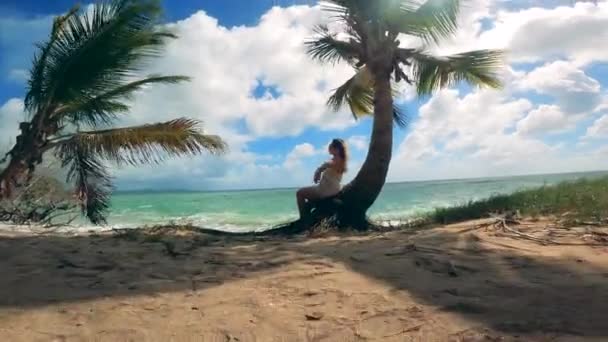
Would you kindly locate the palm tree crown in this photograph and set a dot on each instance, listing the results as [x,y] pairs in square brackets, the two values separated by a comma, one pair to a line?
[79,83]
[370,41]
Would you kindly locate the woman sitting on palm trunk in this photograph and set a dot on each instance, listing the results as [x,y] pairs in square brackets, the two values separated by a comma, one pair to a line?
[328,177]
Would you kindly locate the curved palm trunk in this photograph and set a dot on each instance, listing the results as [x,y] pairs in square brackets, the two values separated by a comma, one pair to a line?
[361,193]
[15,171]
[9,177]
[25,154]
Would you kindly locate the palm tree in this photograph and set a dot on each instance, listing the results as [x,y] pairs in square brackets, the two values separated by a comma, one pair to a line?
[370,44]
[77,89]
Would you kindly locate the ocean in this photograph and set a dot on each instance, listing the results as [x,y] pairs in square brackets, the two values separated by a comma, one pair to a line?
[248,210]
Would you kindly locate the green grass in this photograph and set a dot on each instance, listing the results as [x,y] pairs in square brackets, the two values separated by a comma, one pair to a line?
[584,199]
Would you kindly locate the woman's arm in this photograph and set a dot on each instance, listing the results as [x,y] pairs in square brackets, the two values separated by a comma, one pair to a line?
[320,170]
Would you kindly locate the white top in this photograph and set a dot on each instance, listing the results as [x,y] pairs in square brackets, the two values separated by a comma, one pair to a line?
[329,184]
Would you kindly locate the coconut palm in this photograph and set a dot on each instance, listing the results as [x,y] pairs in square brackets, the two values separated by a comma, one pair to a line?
[79,83]
[369,42]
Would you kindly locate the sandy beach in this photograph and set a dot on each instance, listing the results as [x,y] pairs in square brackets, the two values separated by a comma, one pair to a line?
[464,282]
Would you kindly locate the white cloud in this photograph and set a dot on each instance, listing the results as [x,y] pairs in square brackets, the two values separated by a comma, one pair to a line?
[535,34]
[11,114]
[546,33]
[471,135]
[574,91]
[490,133]
[18,75]
[299,152]
[599,129]
[558,75]
[227,65]
[17,38]
[358,142]
[460,122]
[545,119]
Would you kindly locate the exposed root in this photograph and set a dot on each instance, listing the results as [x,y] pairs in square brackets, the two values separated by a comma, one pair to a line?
[505,223]
[502,224]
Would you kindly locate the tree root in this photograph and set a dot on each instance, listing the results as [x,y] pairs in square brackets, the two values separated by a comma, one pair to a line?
[504,222]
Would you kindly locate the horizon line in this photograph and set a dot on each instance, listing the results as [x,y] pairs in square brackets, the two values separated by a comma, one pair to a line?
[396,182]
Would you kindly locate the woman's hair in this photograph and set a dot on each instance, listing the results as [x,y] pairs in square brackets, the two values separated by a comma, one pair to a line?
[340,145]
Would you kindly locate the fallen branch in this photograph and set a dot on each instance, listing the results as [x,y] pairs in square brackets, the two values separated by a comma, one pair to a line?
[39,202]
[587,223]
[406,330]
[504,222]
[503,225]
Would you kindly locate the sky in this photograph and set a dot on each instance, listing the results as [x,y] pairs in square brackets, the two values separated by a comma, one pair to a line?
[253,84]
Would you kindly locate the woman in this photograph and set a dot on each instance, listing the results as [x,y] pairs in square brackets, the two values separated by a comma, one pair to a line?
[327,177]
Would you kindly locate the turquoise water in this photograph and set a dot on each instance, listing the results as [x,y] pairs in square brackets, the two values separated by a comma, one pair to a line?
[261,209]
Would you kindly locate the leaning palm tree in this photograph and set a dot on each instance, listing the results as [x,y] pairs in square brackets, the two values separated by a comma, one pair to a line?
[370,43]
[77,89]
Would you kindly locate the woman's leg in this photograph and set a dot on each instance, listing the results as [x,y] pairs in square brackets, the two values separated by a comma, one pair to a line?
[310,193]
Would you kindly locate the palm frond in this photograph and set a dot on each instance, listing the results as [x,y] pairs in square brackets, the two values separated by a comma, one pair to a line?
[92,183]
[97,52]
[328,49]
[400,117]
[366,10]
[103,108]
[341,6]
[353,13]
[37,74]
[147,143]
[358,93]
[432,21]
[358,97]
[478,68]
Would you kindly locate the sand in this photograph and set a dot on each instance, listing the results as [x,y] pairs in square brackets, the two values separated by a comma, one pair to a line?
[456,283]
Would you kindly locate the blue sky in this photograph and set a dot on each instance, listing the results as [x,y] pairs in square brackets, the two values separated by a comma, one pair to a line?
[253,84]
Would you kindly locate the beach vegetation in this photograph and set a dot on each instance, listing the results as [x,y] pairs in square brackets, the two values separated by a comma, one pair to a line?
[583,200]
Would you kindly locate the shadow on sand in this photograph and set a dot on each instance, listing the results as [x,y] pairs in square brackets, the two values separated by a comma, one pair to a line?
[503,288]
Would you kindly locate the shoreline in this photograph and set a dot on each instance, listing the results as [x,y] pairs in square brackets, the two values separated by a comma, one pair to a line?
[253,210]
[71,229]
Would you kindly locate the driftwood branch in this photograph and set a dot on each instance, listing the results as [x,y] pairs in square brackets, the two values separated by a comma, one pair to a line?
[40,214]
[42,201]
[506,224]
